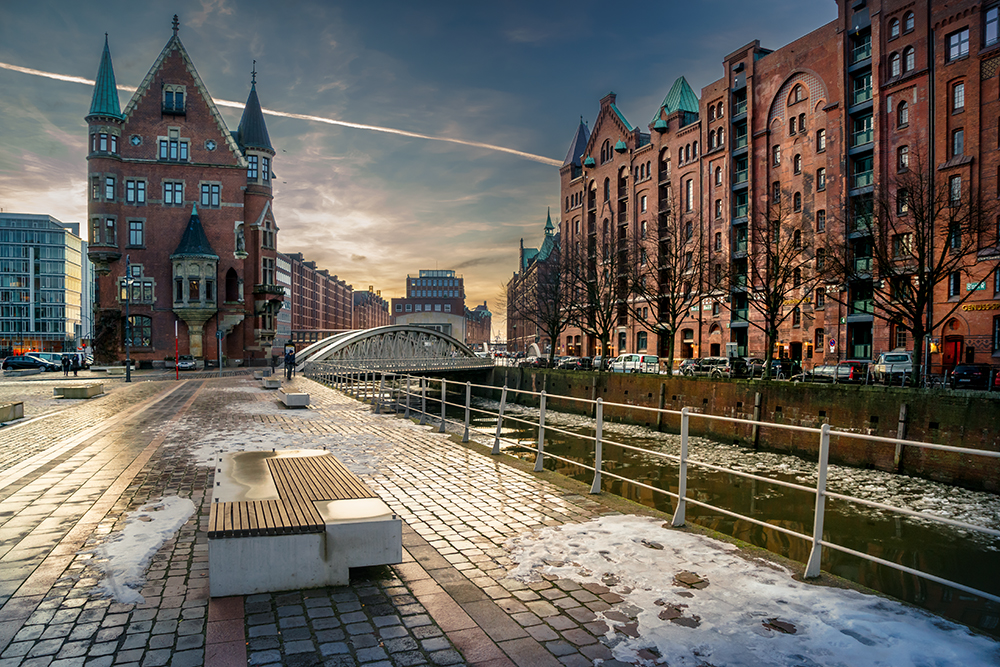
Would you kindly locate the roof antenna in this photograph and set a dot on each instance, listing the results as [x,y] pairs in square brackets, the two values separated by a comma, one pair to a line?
[253,74]
[177,25]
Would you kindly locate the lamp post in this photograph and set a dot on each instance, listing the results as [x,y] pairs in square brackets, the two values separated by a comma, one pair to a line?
[128,322]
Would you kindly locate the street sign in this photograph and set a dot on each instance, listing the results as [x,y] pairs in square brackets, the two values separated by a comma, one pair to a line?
[833,344]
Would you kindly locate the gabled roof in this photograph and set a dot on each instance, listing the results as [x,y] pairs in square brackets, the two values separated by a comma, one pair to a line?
[105,101]
[194,242]
[579,145]
[174,43]
[550,243]
[252,132]
[621,117]
[529,256]
[680,98]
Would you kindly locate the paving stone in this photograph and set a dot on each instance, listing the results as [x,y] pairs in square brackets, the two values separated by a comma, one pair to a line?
[370,654]
[156,658]
[296,634]
[292,622]
[393,632]
[193,658]
[161,641]
[189,642]
[334,635]
[333,648]
[133,655]
[264,643]
[46,647]
[449,657]
[302,646]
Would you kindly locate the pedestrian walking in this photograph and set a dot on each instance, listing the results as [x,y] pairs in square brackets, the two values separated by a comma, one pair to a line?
[76,364]
[65,365]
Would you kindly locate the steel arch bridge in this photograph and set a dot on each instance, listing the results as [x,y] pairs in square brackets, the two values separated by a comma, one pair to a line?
[398,348]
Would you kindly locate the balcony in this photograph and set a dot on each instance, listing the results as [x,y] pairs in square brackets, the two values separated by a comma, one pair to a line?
[740,176]
[863,179]
[741,314]
[739,247]
[173,109]
[862,265]
[862,307]
[861,96]
[862,51]
[739,141]
[739,107]
[862,137]
[740,281]
[277,290]
[741,210]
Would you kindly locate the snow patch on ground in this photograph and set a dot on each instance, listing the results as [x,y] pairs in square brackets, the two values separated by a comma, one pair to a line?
[745,613]
[125,555]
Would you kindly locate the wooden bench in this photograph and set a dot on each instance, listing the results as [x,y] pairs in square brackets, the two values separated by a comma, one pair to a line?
[270,383]
[88,390]
[293,399]
[11,411]
[293,519]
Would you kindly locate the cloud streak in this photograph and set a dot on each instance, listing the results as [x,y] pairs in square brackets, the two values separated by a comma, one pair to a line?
[307,117]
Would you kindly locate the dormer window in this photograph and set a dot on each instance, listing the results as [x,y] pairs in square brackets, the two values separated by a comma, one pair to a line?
[173,99]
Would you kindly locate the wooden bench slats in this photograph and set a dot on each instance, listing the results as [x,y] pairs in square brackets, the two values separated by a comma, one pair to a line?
[299,481]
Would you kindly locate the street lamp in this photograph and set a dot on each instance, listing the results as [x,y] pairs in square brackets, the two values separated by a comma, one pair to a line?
[128,322]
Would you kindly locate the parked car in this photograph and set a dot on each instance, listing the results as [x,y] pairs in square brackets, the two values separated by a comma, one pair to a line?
[893,367]
[781,369]
[26,362]
[595,363]
[972,376]
[574,363]
[534,362]
[717,367]
[636,363]
[848,372]
[687,364]
[186,362]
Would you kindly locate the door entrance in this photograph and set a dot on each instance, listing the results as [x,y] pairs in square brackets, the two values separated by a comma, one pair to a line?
[952,353]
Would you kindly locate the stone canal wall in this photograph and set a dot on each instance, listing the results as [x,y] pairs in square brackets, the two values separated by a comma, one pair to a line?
[958,418]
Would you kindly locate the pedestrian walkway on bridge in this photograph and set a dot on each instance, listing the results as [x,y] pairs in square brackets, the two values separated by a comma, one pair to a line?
[70,480]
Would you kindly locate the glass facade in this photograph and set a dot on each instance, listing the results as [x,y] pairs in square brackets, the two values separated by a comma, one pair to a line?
[41,284]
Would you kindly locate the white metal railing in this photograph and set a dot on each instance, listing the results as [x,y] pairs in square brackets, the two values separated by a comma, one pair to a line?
[399,392]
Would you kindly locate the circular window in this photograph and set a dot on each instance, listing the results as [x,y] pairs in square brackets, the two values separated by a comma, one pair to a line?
[210,145]
[135,140]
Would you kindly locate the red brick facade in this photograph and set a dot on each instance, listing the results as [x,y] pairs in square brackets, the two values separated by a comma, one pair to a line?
[817,121]
[148,166]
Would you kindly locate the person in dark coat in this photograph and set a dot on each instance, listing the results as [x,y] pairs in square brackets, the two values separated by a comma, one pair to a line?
[76,364]
[289,364]
[65,364]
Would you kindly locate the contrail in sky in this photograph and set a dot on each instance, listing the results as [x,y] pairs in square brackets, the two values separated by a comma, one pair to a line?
[299,116]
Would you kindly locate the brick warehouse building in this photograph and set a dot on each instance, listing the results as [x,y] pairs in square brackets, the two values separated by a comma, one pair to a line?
[185,207]
[818,129]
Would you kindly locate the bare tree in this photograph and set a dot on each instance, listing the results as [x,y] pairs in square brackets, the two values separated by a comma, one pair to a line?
[666,271]
[912,235]
[775,274]
[539,296]
[598,285]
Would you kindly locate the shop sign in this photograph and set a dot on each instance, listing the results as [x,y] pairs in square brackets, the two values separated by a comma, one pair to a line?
[994,305]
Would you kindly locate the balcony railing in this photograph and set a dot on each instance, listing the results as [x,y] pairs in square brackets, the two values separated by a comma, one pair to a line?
[740,314]
[862,179]
[740,280]
[861,51]
[740,176]
[862,307]
[740,141]
[861,95]
[740,246]
[862,137]
[863,265]
[740,210]
[740,107]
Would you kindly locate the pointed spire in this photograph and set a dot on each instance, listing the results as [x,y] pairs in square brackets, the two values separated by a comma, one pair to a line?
[194,241]
[252,132]
[549,227]
[578,145]
[176,24]
[105,100]
[680,98]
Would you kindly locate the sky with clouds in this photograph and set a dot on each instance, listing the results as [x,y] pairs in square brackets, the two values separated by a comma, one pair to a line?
[374,206]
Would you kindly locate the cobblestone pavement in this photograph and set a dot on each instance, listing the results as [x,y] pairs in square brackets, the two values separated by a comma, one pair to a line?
[449,602]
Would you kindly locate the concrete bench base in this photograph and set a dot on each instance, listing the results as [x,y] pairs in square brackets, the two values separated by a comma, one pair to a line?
[270,383]
[260,375]
[116,370]
[293,399]
[358,532]
[79,391]
[11,411]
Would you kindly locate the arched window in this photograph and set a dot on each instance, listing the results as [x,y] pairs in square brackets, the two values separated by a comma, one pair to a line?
[820,259]
[797,202]
[721,108]
[797,237]
[802,122]
[894,65]
[792,125]
[797,162]
[711,112]
[606,151]
[687,153]
[902,115]
[893,28]
[694,149]
[902,158]
[796,277]
[607,189]
[140,330]
[718,175]
[820,141]
[721,137]
[567,203]
[796,96]
[649,166]
[909,59]
[908,22]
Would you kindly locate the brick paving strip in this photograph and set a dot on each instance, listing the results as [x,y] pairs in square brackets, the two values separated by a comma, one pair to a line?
[450,602]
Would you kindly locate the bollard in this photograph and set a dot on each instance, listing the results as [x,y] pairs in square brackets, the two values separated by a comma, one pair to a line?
[678,519]
[468,403]
[662,402]
[901,435]
[598,434]
[503,403]
[816,554]
[423,401]
[755,429]
[541,433]
[444,402]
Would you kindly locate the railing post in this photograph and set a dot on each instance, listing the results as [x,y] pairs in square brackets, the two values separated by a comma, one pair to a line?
[423,401]
[381,387]
[406,414]
[503,404]
[541,433]
[444,400]
[682,482]
[598,435]
[468,405]
[816,554]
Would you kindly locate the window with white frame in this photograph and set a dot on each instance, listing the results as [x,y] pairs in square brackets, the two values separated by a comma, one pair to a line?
[135,192]
[136,236]
[821,179]
[820,141]
[958,97]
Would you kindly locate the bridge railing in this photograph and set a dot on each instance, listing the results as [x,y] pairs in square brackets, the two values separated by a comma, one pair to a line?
[415,365]
[400,391]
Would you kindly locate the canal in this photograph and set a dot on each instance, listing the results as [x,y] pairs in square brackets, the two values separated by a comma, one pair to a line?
[969,558]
